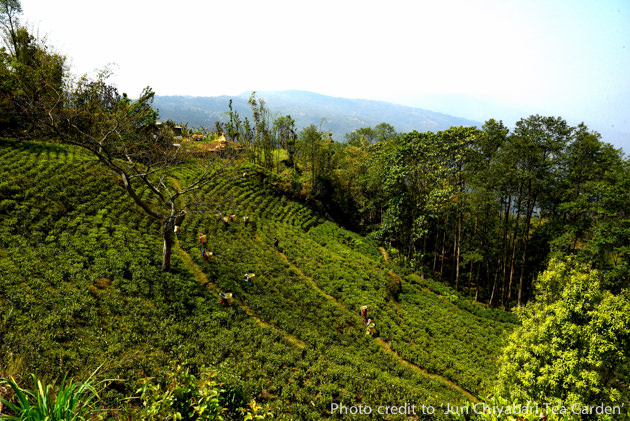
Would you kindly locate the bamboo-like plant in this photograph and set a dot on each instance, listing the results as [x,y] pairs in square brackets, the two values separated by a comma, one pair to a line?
[74,401]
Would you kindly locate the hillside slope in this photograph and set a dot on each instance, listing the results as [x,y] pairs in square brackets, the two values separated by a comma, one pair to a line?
[80,286]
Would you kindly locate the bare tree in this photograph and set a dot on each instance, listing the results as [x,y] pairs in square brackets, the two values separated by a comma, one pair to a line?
[125,136]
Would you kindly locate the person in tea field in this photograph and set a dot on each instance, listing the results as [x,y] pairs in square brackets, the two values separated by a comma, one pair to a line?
[248,278]
[364,314]
[276,243]
[203,239]
[232,218]
[370,328]
[246,220]
[206,256]
[223,299]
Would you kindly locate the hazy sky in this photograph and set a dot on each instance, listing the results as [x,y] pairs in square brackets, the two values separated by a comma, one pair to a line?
[568,58]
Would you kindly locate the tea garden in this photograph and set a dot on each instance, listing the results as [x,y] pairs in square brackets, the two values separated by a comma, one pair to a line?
[81,290]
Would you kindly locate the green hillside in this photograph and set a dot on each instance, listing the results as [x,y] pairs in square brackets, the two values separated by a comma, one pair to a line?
[81,286]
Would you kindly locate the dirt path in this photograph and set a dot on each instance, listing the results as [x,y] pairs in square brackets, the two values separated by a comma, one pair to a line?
[380,341]
[201,277]
[312,282]
[384,253]
[437,377]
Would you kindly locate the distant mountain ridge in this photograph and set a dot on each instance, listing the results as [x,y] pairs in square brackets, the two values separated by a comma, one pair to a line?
[336,115]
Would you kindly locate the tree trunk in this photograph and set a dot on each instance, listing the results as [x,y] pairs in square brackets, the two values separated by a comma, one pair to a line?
[443,246]
[530,211]
[520,282]
[424,252]
[514,245]
[512,263]
[477,282]
[436,244]
[167,232]
[494,286]
[458,248]
[502,265]
[470,271]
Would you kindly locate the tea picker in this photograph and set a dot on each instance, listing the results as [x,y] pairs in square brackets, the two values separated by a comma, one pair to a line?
[224,297]
[364,314]
[370,328]
[205,255]
[248,278]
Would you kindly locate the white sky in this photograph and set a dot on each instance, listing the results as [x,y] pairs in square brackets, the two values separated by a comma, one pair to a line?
[570,58]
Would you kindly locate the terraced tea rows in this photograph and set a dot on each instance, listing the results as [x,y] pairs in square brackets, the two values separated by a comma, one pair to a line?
[345,266]
[80,277]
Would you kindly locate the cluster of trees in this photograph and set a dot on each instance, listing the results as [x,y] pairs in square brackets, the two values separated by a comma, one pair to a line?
[483,209]
[268,134]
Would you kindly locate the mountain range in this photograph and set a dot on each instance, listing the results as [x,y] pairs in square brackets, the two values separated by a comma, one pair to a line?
[336,115]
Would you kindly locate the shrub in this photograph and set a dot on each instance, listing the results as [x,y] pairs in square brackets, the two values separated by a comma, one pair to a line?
[185,397]
[74,401]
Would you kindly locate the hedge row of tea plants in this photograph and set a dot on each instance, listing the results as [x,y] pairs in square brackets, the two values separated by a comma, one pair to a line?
[441,332]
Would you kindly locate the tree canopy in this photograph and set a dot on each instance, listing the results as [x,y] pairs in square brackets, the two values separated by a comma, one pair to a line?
[574,343]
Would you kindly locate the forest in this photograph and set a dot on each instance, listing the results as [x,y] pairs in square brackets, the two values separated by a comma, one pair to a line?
[494,262]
